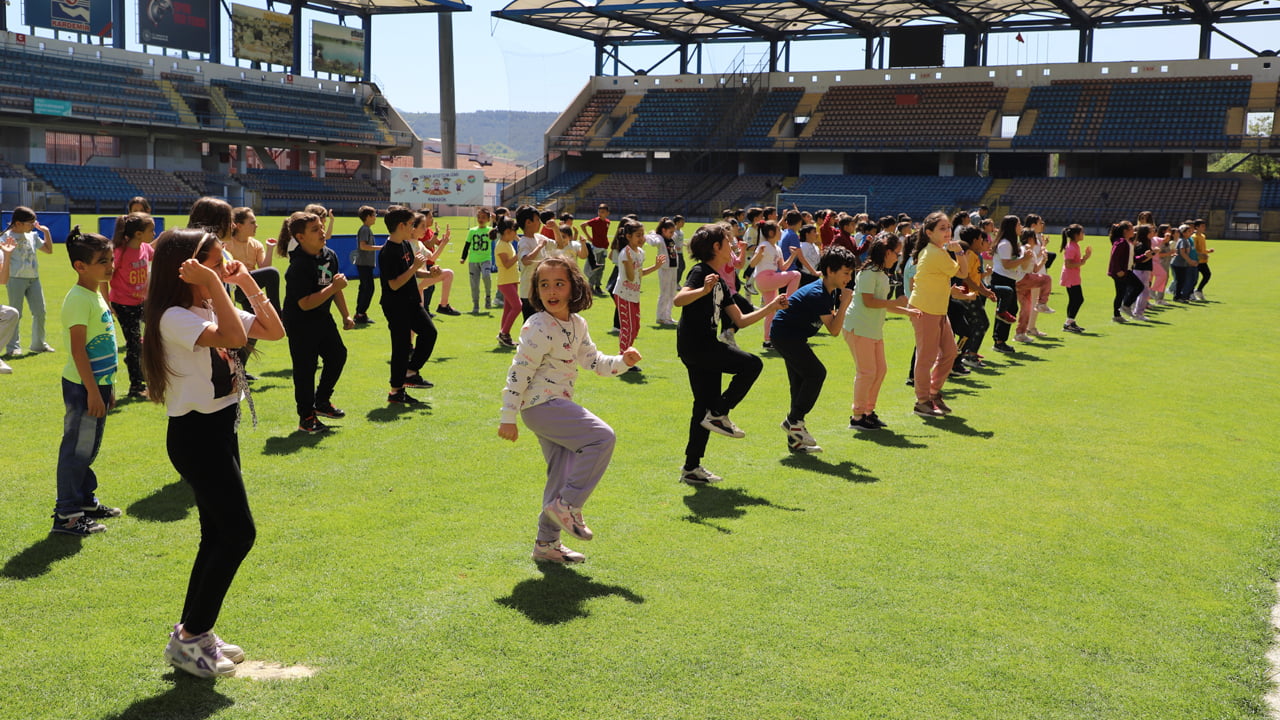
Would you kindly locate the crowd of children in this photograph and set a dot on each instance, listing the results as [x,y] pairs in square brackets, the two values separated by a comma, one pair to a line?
[834,271]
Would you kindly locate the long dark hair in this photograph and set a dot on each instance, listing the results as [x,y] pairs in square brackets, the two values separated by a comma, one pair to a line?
[168,290]
[879,248]
[1070,231]
[922,238]
[1118,230]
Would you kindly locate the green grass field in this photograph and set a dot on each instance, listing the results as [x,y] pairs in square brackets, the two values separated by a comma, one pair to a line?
[1093,534]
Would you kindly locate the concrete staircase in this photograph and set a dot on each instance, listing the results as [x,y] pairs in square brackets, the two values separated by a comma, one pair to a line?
[220,104]
[179,104]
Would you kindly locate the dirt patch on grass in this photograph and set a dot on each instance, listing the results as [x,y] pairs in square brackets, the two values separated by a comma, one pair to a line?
[259,670]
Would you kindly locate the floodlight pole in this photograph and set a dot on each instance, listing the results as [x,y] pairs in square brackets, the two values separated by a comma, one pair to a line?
[448,113]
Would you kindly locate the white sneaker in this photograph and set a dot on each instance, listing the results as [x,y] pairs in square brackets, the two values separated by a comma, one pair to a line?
[1022,338]
[234,653]
[698,476]
[1041,307]
[198,656]
[1140,317]
[4,368]
[1197,295]
[804,449]
[723,425]
[1126,311]
[798,434]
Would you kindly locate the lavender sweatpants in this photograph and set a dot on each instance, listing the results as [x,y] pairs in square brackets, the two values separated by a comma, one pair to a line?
[577,446]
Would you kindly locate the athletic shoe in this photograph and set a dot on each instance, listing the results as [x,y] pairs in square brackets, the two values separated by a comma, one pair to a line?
[634,368]
[959,370]
[1141,317]
[329,411]
[1007,317]
[972,362]
[940,405]
[504,339]
[1071,327]
[4,368]
[417,381]
[926,409]
[568,518]
[1118,319]
[198,656]
[234,653]
[1041,307]
[402,397]
[1126,311]
[556,553]
[873,417]
[16,352]
[1003,347]
[100,511]
[699,476]
[797,433]
[447,310]
[1022,338]
[43,348]
[911,382]
[862,423]
[803,448]
[766,345]
[137,392]
[1037,333]
[722,424]
[362,319]
[1197,295]
[80,527]
[749,285]
[312,425]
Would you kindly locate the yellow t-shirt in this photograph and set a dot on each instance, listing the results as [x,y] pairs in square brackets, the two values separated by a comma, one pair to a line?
[506,275]
[932,291]
[246,252]
[1202,248]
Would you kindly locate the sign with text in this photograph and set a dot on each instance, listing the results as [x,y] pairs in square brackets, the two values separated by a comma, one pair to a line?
[261,35]
[336,49]
[45,106]
[92,17]
[178,24]
[415,187]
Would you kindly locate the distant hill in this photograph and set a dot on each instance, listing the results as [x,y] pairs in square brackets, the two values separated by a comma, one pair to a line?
[503,133]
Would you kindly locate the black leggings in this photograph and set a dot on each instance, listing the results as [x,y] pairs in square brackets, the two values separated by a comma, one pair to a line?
[205,451]
[805,373]
[406,355]
[705,368]
[1075,298]
[1006,301]
[1128,288]
[365,295]
[130,319]
[1204,276]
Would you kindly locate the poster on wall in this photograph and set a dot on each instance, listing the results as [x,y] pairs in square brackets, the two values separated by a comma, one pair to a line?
[261,35]
[178,24]
[92,17]
[336,49]
[415,187]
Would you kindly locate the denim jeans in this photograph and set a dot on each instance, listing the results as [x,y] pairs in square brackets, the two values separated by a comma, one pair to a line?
[81,438]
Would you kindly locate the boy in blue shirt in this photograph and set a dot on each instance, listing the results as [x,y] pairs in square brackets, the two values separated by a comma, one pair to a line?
[809,309]
[87,386]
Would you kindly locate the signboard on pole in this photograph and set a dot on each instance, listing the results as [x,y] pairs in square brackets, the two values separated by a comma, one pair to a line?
[91,17]
[261,35]
[178,24]
[417,186]
[336,49]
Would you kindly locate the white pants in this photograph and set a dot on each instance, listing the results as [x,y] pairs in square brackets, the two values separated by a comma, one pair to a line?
[8,325]
[668,284]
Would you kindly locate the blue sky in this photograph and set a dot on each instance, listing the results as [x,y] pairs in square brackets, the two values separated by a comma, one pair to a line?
[501,65]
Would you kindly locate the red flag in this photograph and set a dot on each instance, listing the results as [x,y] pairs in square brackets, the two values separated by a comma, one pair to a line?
[1019,38]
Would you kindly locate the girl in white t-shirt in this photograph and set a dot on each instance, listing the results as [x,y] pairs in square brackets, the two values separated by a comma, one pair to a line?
[770,276]
[629,246]
[662,240]
[189,357]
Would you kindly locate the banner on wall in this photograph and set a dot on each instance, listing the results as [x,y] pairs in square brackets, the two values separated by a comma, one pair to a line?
[415,187]
[336,49]
[261,35]
[178,24]
[92,17]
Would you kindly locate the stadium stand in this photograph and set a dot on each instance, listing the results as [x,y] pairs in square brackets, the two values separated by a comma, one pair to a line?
[936,115]
[601,104]
[94,88]
[1101,201]
[649,193]
[680,118]
[778,103]
[1164,112]
[1270,195]
[562,183]
[294,112]
[914,195]
[286,191]
[87,187]
[741,192]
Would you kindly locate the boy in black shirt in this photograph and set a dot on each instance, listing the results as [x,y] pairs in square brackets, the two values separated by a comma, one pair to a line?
[399,267]
[704,296]
[311,284]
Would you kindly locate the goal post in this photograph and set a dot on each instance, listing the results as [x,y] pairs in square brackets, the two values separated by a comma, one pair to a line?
[812,202]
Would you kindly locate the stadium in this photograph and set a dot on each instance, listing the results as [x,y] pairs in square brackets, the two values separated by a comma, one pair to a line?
[1091,534]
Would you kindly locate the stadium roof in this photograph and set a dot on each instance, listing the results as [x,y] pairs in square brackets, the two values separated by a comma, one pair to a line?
[624,22]
[389,7]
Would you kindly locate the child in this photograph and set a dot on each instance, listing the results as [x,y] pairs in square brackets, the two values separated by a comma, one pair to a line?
[366,260]
[811,253]
[529,249]
[27,236]
[771,277]
[975,313]
[704,297]
[192,368]
[626,292]
[1184,265]
[87,390]
[246,248]
[1202,258]
[663,242]
[864,329]
[1143,253]
[433,244]
[598,230]
[1120,270]
[816,305]
[311,284]
[563,245]
[1037,283]
[577,445]
[1072,261]
[398,268]
[127,289]
[8,315]
[931,293]
[503,238]
[1163,244]
[1009,265]
[475,253]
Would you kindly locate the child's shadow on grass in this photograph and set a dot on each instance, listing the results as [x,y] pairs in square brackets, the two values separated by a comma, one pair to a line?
[851,471]
[558,596]
[713,503]
[37,559]
[889,438]
[190,698]
[395,411]
[276,374]
[170,503]
[957,425]
[634,378]
[292,443]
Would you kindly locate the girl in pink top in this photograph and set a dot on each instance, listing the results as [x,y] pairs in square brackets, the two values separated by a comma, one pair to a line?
[127,289]
[1072,261]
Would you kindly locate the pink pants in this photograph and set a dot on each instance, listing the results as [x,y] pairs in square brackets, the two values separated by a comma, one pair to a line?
[769,282]
[935,353]
[510,306]
[1159,277]
[1025,288]
[628,322]
[868,355]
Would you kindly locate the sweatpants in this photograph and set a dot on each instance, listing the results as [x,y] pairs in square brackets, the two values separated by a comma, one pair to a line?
[212,468]
[705,368]
[628,322]
[478,272]
[364,296]
[406,354]
[668,285]
[510,306]
[310,342]
[868,356]
[935,354]
[21,291]
[805,374]
[577,446]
